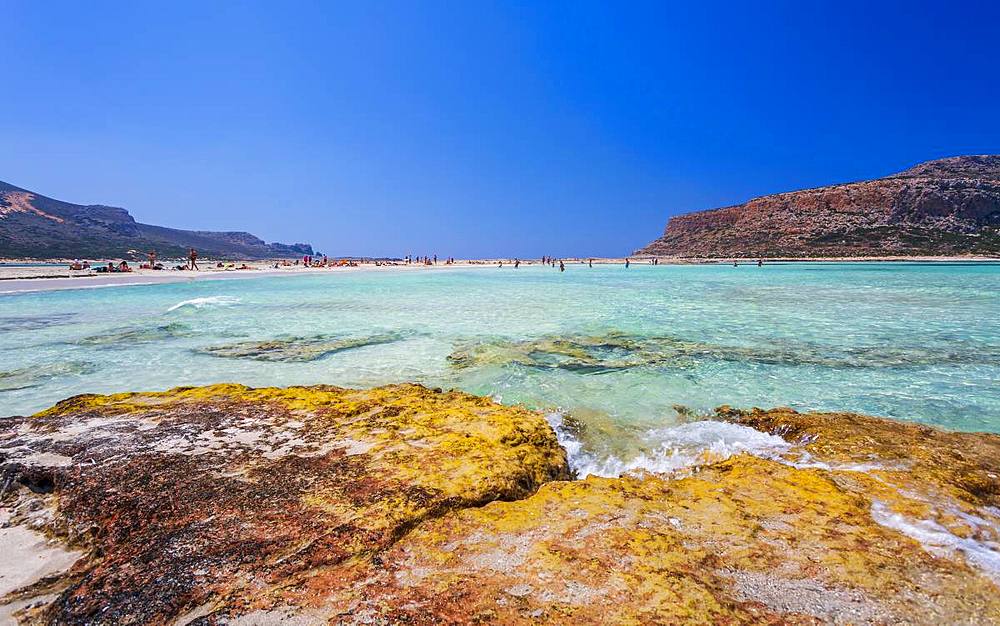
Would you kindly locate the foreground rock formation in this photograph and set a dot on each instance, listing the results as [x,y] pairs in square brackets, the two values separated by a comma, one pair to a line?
[944,207]
[400,504]
[222,500]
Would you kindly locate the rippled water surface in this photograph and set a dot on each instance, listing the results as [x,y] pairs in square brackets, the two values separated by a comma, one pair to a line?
[622,354]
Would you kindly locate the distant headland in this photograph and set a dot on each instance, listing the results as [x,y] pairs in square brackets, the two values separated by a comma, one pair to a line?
[946,207]
[33,226]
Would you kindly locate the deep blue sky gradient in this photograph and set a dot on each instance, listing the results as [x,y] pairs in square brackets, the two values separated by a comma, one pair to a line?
[480,128]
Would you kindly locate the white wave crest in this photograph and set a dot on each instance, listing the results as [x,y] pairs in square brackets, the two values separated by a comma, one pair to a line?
[672,448]
[210,301]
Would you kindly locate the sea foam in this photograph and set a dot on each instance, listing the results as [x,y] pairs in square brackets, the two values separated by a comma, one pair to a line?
[672,448]
[936,539]
[210,301]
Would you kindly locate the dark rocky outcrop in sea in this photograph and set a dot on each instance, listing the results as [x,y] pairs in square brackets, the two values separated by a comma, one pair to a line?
[406,505]
[944,207]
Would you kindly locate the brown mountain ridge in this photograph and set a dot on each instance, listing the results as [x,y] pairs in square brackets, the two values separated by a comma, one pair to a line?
[33,226]
[944,207]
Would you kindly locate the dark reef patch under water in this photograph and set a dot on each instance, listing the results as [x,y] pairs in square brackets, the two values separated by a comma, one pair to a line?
[596,354]
[34,322]
[297,349]
[138,334]
[26,377]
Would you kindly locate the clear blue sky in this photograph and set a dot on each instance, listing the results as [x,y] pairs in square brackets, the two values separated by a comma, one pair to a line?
[480,128]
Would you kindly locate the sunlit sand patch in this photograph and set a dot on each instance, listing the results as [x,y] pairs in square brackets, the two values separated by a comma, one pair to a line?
[27,557]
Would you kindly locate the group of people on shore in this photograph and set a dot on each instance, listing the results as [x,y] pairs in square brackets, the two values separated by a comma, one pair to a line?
[409,259]
[123,266]
[324,261]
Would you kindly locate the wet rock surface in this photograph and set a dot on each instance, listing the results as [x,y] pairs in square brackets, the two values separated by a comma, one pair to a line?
[400,504]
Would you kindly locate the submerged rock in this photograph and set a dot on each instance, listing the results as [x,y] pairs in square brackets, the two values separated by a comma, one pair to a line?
[405,505]
[585,354]
[297,348]
[138,334]
[35,322]
[28,377]
[595,354]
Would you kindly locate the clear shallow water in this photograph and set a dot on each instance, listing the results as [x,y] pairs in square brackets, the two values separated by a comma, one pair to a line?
[614,350]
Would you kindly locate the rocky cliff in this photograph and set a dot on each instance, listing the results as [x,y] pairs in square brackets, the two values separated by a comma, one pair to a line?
[33,226]
[405,505]
[944,207]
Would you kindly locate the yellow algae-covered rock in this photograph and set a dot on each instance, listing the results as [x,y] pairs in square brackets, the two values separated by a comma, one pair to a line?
[404,505]
[965,465]
[198,503]
[941,488]
[747,540]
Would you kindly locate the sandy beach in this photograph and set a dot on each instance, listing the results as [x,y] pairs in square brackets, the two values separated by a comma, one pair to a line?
[20,276]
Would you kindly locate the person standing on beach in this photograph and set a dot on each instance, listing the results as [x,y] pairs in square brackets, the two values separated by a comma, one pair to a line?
[193,259]
[152,259]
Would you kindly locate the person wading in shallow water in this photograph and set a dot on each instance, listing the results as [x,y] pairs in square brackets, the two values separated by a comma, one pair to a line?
[193,258]
[627,262]
[562,266]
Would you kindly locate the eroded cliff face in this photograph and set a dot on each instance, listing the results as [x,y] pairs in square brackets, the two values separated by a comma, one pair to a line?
[400,504]
[945,207]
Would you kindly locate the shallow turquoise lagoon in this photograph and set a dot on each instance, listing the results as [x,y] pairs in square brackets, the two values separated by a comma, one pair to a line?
[625,352]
